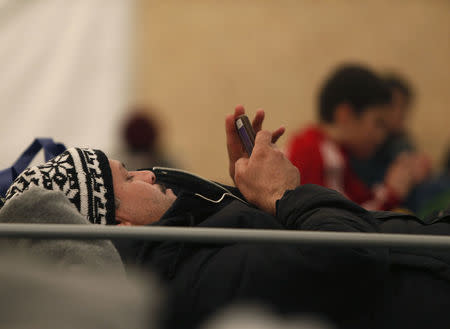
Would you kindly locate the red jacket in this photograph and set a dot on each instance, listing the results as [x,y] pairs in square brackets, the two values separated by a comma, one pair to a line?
[323,162]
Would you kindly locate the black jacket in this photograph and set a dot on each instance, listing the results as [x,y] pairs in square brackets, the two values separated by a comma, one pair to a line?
[350,287]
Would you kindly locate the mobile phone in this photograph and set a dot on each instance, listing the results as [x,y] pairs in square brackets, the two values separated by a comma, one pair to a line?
[246,133]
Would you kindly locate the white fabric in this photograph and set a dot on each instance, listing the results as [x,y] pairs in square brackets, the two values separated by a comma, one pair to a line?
[63,72]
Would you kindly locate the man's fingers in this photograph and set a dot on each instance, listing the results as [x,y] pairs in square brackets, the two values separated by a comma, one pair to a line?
[258,120]
[233,139]
[239,110]
[277,134]
[229,124]
[234,145]
[232,135]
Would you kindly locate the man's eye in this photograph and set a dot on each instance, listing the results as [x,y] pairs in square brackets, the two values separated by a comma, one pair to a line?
[130,177]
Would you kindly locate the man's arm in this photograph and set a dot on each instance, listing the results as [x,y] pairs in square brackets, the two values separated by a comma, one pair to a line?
[312,207]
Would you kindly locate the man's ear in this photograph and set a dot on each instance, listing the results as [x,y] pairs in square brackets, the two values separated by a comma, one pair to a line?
[344,114]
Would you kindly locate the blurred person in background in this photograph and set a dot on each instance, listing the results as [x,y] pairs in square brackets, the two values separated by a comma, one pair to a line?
[352,106]
[141,135]
[372,171]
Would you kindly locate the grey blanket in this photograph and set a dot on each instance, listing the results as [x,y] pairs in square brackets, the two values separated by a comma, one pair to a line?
[50,207]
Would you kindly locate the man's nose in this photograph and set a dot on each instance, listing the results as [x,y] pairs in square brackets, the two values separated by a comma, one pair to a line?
[147,176]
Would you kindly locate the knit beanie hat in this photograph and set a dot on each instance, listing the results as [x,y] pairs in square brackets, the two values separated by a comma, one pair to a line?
[82,174]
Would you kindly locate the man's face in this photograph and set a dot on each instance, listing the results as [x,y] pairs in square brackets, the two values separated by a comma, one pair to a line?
[365,132]
[141,200]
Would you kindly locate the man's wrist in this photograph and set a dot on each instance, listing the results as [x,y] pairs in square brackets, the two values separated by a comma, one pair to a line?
[278,201]
[274,201]
[266,203]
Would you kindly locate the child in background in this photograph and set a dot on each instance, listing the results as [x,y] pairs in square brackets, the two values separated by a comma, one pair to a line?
[373,170]
[352,108]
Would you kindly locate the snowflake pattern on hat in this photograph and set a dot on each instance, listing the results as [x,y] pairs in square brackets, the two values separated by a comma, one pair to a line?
[83,175]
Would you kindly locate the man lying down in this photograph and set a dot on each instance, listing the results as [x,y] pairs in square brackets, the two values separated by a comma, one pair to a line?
[350,287]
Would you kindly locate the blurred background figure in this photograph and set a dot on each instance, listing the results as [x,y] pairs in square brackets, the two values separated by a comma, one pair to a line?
[374,169]
[402,99]
[141,137]
[352,106]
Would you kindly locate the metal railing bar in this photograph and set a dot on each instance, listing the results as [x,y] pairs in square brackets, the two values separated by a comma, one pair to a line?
[222,235]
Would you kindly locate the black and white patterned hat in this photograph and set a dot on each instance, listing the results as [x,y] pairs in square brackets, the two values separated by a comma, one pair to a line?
[82,174]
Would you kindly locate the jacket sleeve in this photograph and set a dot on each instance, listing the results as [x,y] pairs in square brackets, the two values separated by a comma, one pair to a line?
[315,208]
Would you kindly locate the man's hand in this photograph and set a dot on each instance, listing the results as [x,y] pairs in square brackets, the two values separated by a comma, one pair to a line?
[234,144]
[266,175]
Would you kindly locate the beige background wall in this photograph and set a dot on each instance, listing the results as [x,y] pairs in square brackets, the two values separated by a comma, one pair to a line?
[195,60]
